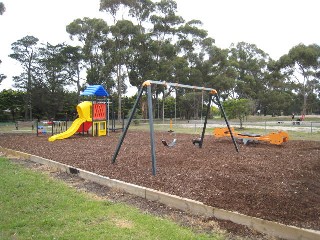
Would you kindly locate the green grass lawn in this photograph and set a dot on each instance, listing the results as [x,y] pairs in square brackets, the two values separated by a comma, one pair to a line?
[34,206]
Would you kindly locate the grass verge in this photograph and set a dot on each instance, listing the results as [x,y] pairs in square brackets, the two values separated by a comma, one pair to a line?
[34,206]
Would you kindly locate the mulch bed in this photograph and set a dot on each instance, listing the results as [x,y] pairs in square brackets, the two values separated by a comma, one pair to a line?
[277,183]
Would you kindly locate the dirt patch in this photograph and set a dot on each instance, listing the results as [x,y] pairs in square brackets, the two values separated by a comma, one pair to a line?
[277,183]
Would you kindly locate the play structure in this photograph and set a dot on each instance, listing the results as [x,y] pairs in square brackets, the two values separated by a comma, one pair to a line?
[276,138]
[91,114]
[147,86]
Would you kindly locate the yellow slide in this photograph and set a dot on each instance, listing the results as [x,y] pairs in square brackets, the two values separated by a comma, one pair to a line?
[84,112]
[71,130]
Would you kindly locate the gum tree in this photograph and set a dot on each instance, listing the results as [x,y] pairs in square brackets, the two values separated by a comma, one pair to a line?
[72,58]
[301,67]
[250,64]
[25,52]
[92,33]
[52,77]
[2,76]
[2,8]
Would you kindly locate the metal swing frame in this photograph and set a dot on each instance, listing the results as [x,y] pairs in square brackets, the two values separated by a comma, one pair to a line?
[147,85]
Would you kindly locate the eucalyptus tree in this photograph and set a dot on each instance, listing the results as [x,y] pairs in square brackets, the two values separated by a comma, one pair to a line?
[112,7]
[92,33]
[165,26]
[53,77]
[140,10]
[2,76]
[123,32]
[301,66]
[165,52]
[250,64]
[190,47]
[277,96]
[73,64]
[140,63]
[2,8]
[121,40]
[25,51]
[216,70]
[160,46]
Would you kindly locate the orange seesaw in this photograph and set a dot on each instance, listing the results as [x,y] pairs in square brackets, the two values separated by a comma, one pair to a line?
[276,138]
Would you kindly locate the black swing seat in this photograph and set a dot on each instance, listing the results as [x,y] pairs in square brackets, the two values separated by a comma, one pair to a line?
[164,142]
[196,141]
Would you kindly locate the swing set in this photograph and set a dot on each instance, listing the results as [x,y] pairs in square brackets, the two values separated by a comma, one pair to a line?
[199,142]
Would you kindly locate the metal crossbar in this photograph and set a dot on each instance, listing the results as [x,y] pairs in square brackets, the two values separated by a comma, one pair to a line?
[164,83]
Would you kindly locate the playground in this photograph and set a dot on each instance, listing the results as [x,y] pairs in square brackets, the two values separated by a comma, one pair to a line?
[260,175]
[273,182]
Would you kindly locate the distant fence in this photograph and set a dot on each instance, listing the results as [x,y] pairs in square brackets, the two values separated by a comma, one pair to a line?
[298,126]
[25,124]
[51,127]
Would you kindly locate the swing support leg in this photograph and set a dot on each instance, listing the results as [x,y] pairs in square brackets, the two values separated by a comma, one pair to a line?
[225,119]
[153,149]
[205,122]
[114,157]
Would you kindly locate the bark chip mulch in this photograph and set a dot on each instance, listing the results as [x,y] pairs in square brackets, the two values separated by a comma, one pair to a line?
[277,183]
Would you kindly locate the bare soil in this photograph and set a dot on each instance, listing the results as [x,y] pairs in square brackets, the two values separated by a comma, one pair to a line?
[277,183]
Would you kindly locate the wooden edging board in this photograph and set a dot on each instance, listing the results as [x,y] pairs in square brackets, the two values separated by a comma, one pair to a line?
[194,207]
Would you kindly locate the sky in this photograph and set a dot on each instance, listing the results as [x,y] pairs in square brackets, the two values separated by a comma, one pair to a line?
[275,26]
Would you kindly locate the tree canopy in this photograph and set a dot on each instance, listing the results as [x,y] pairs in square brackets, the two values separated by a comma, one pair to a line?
[2,8]
[148,40]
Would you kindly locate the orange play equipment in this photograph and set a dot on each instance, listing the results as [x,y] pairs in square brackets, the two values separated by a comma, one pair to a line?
[276,138]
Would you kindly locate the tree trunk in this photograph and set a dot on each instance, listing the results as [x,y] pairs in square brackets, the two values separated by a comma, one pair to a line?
[241,122]
[78,85]
[304,107]
[29,100]
[144,108]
